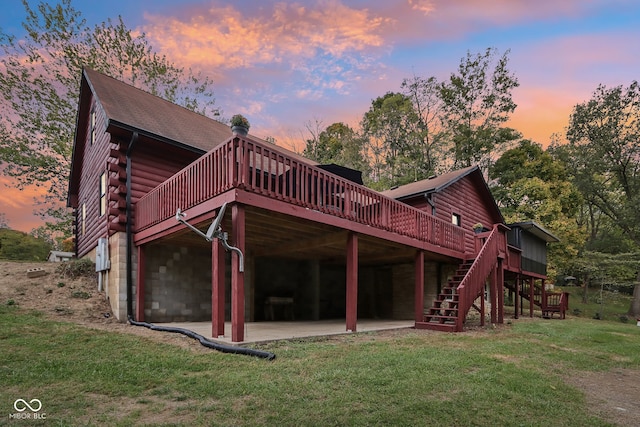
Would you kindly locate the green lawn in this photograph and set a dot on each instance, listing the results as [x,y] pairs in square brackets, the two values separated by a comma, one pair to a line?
[512,375]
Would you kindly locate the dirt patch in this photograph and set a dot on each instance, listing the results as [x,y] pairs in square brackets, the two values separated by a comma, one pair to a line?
[71,300]
[613,395]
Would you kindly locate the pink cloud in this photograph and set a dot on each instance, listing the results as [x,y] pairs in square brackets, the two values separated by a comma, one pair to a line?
[224,37]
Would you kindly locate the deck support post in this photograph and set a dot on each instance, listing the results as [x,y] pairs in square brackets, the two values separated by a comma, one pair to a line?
[516,301]
[531,295]
[237,277]
[217,289]
[352,282]
[419,285]
[500,285]
[494,294]
[483,309]
[140,286]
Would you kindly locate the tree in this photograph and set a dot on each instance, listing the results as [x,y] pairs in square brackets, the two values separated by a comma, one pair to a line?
[477,101]
[529,184]
[338,144]
[3,220]
[16,245]
[634,309]
[391,128]
[603,136]
[425,96]
[39,88]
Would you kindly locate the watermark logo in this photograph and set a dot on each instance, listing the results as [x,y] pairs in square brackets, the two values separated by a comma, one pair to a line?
[33,406]
[21,405]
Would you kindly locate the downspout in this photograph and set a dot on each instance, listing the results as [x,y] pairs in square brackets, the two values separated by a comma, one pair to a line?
[129,229]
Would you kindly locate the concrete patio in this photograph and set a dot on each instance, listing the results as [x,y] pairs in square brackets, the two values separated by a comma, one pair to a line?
[258,332]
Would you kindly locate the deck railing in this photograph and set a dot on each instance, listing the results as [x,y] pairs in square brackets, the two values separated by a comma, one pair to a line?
[264,169]
[472,284]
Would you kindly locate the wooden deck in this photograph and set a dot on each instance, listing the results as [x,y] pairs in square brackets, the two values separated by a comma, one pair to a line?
[260,175]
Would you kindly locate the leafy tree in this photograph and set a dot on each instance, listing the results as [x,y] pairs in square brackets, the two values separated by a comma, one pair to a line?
[603,136]
[615,272]
[338,144]
[39,88]
[19,246]
[529,184]
[390,126]
[477,101]
[425,96]
[634,309]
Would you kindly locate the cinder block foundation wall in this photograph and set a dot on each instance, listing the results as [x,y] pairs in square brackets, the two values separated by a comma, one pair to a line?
[116,288]
[177,284]
[403,291]
[115,279]
[430,284]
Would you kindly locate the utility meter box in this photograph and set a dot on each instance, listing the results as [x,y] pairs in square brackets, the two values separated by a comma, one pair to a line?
[102,255]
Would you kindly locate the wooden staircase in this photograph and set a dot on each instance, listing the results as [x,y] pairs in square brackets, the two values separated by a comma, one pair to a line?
[443,314]
[450,308]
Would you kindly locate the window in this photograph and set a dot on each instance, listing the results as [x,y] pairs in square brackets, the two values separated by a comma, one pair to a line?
[92,125]
[84,219]
[455,219]
[103,193]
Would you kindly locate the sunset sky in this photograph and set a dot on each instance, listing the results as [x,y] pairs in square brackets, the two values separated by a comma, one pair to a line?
[283,64]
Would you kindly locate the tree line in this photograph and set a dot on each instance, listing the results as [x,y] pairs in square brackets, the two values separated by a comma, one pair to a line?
[584,186]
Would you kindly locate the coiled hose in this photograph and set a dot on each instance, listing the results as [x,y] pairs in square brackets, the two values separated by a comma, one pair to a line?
[205,342]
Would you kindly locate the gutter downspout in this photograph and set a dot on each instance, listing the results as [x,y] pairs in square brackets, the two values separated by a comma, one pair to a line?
[129,229]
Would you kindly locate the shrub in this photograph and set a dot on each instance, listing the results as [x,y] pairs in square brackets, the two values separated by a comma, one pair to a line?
[77,268]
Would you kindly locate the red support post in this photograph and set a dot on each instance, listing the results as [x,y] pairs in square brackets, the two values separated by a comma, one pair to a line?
[531,295]
[140,286]
[494,294]
[419,286]
[482,309]
[237,277]
[500,280]
[217,289]
[516,301]
[352,282]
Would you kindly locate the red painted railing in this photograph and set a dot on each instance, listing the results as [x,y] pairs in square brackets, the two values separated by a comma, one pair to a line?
[264,169]
[472,284]
[203,179]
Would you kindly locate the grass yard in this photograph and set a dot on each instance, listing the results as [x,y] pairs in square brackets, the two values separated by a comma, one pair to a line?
[516,375]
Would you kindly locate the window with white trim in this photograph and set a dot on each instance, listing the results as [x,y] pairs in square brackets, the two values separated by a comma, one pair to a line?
[103,193]
[84,219]
[92,128]
[456,219]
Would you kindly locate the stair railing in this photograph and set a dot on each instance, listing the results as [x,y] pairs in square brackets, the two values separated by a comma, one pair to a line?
[472,284]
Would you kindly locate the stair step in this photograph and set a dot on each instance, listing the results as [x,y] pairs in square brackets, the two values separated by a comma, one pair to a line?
[436,326]
[444,296]
[439,318]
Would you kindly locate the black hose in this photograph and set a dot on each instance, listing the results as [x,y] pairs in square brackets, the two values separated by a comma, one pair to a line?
[205,342]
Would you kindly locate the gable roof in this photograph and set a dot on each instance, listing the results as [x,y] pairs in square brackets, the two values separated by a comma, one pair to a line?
[129,108]
[429,185]
[438,183]
[537,230]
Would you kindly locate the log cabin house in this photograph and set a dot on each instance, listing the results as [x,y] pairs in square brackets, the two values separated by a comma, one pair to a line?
[313,242]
